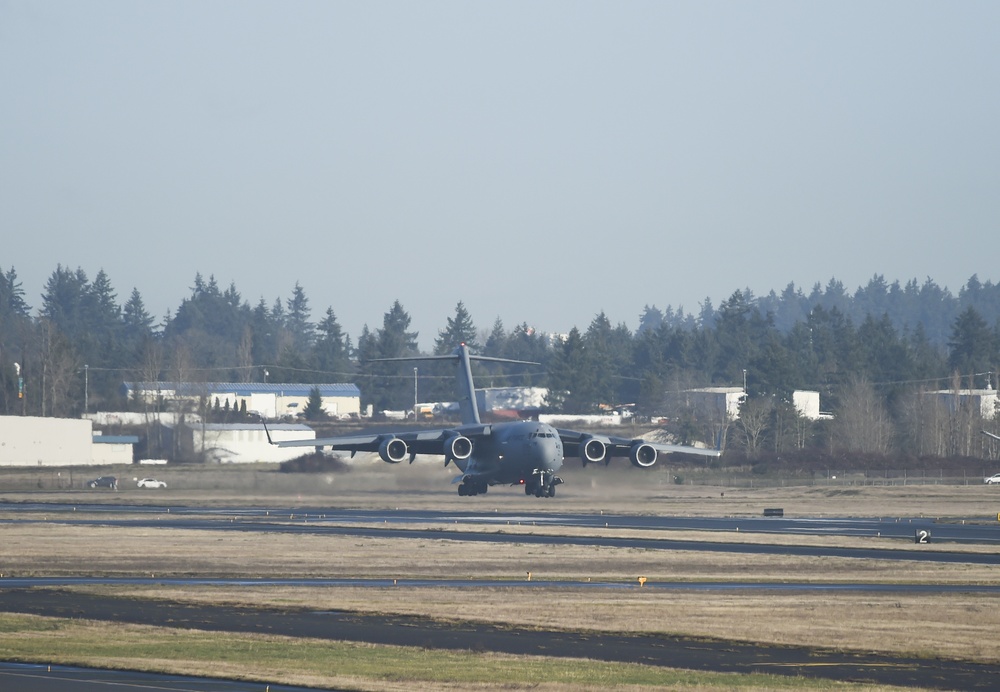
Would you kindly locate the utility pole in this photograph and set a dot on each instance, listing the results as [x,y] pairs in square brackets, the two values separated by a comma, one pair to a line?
[20,388]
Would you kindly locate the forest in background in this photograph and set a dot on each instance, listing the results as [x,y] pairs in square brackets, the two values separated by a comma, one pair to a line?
[872,354]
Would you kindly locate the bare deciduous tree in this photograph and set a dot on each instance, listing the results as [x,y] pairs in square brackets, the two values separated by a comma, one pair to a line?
[244,355]
[862,423]
[754,421]
[58,370]
[924,424]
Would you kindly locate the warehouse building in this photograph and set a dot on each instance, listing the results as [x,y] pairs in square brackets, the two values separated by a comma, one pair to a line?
[720,403]
[245,443]
[278,400]
[35,441]
[984,402]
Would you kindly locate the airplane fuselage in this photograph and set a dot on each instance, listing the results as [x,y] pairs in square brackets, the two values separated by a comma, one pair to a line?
[525,453]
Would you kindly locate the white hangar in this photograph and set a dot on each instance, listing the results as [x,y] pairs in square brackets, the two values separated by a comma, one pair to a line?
[36,441]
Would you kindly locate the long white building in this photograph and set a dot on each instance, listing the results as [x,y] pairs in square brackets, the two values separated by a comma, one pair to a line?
[242,443]
[34,441]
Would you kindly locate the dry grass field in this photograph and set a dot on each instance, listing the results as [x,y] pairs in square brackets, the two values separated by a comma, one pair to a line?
[950,625]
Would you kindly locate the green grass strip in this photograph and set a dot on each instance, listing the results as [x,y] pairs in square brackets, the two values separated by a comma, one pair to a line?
[288,660]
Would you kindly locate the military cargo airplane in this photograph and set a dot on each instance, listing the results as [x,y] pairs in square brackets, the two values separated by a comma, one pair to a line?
[526,453]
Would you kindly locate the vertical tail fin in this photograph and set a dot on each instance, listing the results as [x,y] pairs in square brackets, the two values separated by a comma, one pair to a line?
[467,405]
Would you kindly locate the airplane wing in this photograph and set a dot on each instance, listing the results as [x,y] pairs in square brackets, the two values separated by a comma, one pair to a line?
[393,447]
[593,448]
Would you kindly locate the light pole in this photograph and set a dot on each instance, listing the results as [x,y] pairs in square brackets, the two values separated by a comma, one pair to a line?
[414,394]
[86,389]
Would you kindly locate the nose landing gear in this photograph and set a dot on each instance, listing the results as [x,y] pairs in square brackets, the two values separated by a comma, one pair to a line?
[542,484]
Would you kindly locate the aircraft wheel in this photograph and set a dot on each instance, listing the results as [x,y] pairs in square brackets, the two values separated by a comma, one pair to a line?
[462,490]
[527,489]
[552,491]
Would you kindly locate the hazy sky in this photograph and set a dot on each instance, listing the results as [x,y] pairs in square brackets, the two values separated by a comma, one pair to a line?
[540,161]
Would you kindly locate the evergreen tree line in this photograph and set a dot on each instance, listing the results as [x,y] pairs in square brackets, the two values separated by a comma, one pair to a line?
[870,354]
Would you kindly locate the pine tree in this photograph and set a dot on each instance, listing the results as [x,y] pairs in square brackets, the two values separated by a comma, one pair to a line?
[440,385]
[393,382]
[63,302]
[601,360]
[460,330]
[12,302]
[496,342]
[650,319]
[265,332]
[571,383]
[302,330]
[971,346]
[393,339]
[331,354]
[210,325]
[313,410]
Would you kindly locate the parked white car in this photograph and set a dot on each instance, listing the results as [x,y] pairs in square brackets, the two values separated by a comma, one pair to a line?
[995,478]
[151,483]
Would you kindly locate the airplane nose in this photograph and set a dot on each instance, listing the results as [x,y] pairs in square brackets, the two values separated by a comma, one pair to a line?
[544,454]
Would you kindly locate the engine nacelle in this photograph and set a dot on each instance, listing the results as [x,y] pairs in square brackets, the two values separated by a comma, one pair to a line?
[392,450]
[592,451]
[642,454]
[458,448]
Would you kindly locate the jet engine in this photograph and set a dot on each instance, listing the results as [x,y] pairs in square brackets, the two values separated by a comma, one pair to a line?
[592,451]
[392,450]
[642,454]
[458,447]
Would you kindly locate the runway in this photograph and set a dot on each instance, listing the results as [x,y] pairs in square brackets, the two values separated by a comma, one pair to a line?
[449,525]
[979,529]
[44,596]
[31,677]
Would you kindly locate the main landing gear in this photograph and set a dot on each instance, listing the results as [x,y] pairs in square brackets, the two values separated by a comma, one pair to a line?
[542,484]
[471,487]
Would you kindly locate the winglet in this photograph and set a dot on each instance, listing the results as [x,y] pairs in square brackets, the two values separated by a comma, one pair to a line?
[266,431]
